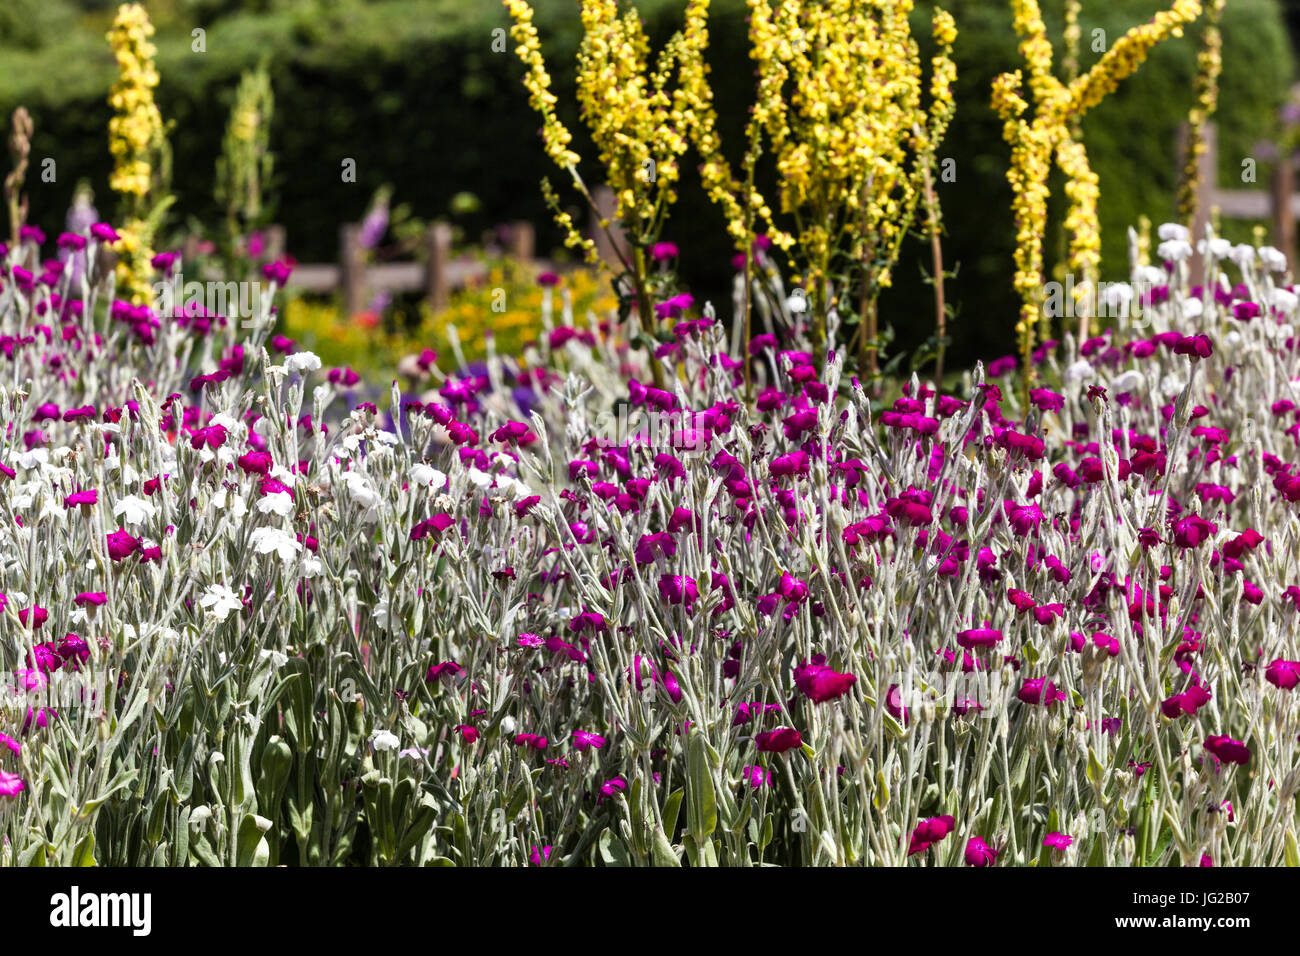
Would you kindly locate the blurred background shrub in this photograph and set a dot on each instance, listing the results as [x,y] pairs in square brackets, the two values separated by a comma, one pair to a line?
[413,92]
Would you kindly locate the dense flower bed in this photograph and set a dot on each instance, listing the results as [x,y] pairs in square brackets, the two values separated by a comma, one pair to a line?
[250,620]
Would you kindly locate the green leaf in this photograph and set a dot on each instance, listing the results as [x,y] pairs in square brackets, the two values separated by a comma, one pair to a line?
[84,855]
[662,850]
[702,812]
[673,809]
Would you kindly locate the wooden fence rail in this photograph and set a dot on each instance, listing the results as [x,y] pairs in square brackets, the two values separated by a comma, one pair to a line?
[440,273]
[1279,203]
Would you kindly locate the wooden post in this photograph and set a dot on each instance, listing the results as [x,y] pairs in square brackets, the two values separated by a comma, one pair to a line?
[352,269]
[190,252]
[1206,188]
[605,208]
[521,241]
[275,242]
[1283,214]
[437,287]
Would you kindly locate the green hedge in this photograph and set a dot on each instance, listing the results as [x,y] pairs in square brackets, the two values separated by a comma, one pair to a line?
[412,91]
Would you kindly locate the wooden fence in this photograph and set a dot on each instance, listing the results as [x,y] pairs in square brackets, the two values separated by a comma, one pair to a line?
[1278,204]
[439,274]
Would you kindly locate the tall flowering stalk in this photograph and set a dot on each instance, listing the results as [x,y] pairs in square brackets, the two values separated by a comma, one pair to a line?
[840,98]
[138,143]
[246,163]
[743,206]
[1058,108]
[1209,62]
[637,121]
[20,148]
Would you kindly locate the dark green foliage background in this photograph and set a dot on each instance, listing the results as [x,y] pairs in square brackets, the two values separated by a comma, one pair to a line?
[412,91]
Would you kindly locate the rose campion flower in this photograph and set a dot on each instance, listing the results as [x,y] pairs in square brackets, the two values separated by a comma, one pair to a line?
[1057,841]
[979,854]
[820,683]
[778,741]
[11,784]
[586,740]
[1283,674]
[1227,749]
[122,545]
[929,832]
[978,637]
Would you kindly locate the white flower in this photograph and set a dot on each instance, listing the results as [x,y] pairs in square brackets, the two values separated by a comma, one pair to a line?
[481,479]
[277,502]
[1243,256]
[229,424]
[35,458]
[1172,230]
[386,438]
[1171,385]
[1193,308]
[1174,250]
[1116,294]
[360,489]
[1273,259]
[1150,275]
[226,498]
[384,740]
[278,658]
[1217,248]
[220,600]
[277,540]
[422,474]
[1284,300]
[134,510]
[302,362]
[1080,371]
[1129,381]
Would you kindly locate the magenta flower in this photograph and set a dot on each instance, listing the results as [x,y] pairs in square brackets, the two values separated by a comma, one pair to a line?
[674,307]
[37,615]
[979,853]
[679,589]
[1038,690]
[929,832]
[792,589]
[778,741]
[1283,674]
[793,464]
[467,733]
[592,621]
[820,683]
[1193,530]
[121,545]
[585,739]
[663,251]
[1227,749]
[11,784]
[87,497]
[756,777]
[978,637]
[539,856]
[445,669]
[611,787]
[1057,841]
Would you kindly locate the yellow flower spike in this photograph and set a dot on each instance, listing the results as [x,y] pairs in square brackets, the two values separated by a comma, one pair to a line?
[1209,63]
[136,141]
[1058,108]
